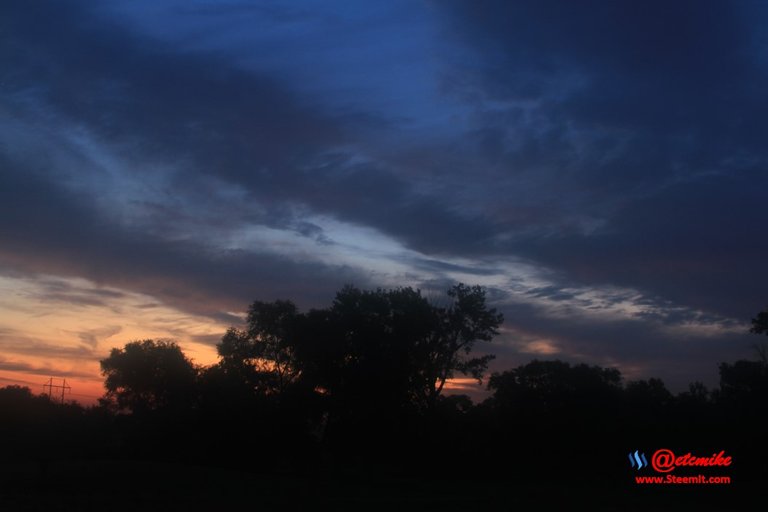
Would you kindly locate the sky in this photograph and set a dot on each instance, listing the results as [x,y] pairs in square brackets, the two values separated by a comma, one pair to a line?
[599,167]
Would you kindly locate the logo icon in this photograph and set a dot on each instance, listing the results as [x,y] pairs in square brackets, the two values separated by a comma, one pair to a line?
[637,460]
[663,460]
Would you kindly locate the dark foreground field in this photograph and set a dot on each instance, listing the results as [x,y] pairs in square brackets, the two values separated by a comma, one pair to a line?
[154,486]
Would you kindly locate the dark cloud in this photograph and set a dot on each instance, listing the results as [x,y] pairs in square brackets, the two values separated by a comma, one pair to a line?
[92,337]
[640,116]
[157,107]
[14,342]
[46,230]
[156,101]
[14,366]
[551,292]
[436,266]
[207,339]
[57,290]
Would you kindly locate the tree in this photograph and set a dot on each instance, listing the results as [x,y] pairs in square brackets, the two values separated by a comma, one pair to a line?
[760,326]
[263,353]
[393,348]
[566,411]
[367,350]
[697,394]
[149,375]
[463,323]
[760,323]
[743,379]
[382,349]
[555,386]
[17,403]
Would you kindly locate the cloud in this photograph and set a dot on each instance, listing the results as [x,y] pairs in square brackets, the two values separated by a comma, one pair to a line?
[161,155]
[47,230]
[16,382]
[635,128]
[27,368]
[92,337]
[14,342]
[597,166]
[678,353]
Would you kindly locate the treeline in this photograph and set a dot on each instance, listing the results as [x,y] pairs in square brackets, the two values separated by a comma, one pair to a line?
[360,385]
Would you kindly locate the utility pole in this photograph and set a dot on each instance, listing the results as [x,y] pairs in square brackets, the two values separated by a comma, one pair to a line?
[64,387]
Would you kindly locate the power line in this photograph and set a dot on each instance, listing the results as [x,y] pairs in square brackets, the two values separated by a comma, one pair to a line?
[64,387]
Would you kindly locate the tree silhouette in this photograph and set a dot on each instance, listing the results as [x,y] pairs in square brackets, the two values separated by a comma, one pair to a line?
[651,393]
[365,368]
[554,386]
[552,408]
[743,379]
[375,339]
[383,346]
[760,323]
[149,375]
[461,325]
[356,389]
[263,354]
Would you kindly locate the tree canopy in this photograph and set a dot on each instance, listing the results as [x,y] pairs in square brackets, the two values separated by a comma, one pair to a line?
[385,348]
[149,375]
[760,323]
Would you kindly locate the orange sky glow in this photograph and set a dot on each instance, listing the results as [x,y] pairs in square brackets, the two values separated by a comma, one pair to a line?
[59,328]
